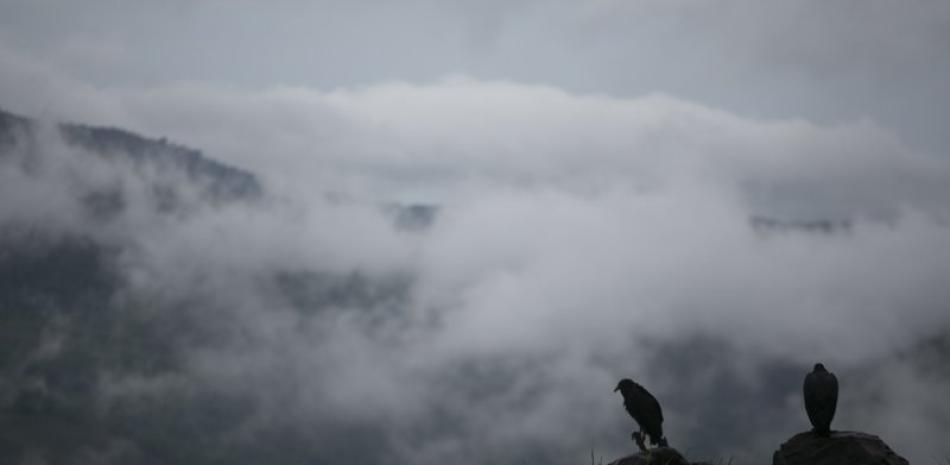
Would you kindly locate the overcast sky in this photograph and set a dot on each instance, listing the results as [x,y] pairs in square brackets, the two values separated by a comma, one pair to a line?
[597,164]
[828,61]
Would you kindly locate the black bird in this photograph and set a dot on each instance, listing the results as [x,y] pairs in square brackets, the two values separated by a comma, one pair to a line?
[821,399]
[644,408]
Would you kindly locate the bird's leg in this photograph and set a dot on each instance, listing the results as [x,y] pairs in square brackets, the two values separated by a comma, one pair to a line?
[638,438]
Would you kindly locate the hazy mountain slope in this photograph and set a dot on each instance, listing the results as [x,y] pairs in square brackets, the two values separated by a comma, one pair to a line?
[96,368]
[157,306]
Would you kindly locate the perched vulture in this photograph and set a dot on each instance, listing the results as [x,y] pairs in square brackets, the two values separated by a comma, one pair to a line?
[644,408]
[821,398]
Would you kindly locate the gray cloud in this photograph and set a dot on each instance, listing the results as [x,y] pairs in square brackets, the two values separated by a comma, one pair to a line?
[581,236]
[581,239]
[831,63]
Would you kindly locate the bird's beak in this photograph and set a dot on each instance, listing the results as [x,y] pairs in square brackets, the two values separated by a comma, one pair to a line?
[616,388]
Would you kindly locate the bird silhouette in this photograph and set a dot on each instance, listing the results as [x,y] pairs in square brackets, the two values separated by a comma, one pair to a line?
[645,409]
[821,399]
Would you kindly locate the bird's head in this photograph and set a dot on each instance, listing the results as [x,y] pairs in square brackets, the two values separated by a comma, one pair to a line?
[624,385]
[820,367]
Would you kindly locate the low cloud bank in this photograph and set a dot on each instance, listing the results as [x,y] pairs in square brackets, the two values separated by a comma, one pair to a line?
[579,239]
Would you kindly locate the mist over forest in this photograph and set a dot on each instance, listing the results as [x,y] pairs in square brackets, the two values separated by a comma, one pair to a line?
[163,307]
[454,260]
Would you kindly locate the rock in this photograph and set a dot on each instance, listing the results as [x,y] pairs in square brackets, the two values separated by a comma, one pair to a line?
[656,456]
[841,448]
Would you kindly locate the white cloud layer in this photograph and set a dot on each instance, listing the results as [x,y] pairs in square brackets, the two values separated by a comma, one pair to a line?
[826,61]
[582,238]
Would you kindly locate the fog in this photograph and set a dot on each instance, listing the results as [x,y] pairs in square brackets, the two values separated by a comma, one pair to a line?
[580,239]
[607,209]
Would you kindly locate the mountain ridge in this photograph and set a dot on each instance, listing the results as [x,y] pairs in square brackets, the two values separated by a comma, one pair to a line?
[221,182]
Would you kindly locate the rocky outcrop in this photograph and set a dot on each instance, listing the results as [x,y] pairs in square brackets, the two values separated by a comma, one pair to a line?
[657,456]
[841,448]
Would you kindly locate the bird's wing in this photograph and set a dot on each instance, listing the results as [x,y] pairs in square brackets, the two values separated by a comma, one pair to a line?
[651,403]
[808,389]
[809,392]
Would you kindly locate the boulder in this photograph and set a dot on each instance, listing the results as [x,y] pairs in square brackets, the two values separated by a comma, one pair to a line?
[840,448]
[656,456]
